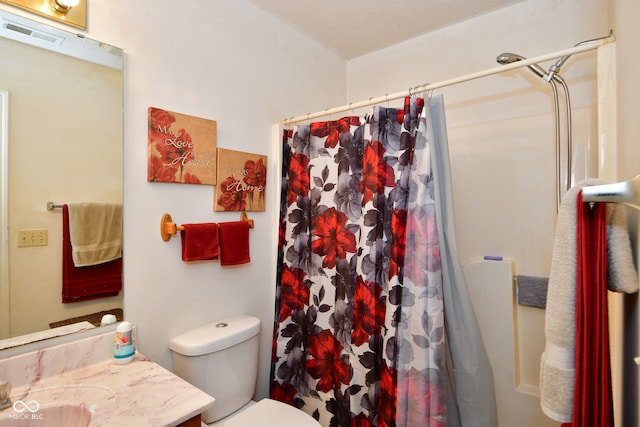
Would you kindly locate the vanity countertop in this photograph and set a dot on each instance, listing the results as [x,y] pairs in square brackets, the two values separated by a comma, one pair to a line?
[140,393]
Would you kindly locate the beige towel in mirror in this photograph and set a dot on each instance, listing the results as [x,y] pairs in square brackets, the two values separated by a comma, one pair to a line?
[95,230]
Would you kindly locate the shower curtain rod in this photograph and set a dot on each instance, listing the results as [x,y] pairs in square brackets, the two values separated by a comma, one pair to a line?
[431,86]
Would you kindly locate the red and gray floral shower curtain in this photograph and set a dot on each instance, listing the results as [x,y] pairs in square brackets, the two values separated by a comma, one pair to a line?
[359,337]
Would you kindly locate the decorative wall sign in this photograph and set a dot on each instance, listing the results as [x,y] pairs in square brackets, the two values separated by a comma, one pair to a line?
[242,181]
[181,148]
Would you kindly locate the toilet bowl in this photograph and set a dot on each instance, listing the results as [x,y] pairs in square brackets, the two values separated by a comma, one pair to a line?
[221,359]
[266,413]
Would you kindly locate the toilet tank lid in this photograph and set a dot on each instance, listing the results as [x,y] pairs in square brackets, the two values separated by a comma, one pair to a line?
[216,336]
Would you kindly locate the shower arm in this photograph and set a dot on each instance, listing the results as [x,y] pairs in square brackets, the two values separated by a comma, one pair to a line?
[555,68]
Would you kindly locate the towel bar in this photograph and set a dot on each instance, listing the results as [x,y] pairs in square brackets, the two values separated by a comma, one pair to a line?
[168,228]
[626,193]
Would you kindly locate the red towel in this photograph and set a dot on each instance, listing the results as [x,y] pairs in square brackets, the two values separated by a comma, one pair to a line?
[234,243]
[592,394]
[199,241]
[85,283]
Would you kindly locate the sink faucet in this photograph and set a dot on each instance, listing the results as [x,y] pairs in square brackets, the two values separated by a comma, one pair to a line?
[5,390]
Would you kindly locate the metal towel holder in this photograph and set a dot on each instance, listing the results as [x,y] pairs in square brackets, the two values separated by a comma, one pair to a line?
[169,228]
[626,193]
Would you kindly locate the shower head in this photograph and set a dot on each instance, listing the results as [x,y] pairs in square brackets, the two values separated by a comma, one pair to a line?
[508,58]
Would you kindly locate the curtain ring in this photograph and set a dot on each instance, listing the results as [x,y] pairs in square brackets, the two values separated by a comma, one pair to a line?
[416,90]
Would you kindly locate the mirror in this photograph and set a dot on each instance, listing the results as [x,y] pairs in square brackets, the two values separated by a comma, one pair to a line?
[61,127]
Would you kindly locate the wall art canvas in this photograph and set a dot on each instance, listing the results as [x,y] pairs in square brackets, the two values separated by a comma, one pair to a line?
[181,148]
[242,181]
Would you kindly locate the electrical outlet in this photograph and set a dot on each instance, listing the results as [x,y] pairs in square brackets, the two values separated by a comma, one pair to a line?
[35,237]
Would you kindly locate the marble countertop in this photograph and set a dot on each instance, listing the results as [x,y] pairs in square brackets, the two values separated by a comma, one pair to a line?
[140,393]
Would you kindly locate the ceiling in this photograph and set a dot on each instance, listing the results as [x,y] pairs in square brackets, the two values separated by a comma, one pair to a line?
[355,27]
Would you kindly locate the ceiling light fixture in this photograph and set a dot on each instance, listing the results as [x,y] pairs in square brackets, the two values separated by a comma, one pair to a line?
[70,12]
[64,6]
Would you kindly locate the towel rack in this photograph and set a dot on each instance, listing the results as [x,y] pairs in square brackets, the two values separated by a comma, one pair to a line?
[168,228]
[51,206]
[626,192]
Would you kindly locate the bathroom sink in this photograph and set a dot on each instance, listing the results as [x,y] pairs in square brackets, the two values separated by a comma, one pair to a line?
[31,414]
[68,405]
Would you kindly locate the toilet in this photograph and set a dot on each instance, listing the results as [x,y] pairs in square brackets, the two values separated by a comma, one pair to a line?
[221,359]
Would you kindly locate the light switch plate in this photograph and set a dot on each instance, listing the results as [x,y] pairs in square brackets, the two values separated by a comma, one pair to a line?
[32,237]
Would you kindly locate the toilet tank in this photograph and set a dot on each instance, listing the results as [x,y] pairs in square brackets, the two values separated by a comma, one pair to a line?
[221,359]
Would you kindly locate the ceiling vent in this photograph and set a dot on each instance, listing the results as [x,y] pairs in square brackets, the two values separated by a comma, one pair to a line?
[29,35]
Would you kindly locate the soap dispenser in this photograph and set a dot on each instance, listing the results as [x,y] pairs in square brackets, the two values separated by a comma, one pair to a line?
[123,346]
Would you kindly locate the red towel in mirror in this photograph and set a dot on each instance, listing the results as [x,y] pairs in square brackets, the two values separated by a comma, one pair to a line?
[234,243]
[199,241]
[86,283]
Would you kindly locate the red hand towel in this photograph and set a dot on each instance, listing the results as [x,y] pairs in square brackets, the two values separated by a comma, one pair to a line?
[199,241]
[593,400]
[234,243]
[86,283]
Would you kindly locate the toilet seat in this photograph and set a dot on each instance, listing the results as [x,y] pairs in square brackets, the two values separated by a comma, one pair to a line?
[271,413]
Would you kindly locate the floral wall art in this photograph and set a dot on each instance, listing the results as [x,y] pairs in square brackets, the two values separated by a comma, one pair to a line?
[181,148]
[242,181]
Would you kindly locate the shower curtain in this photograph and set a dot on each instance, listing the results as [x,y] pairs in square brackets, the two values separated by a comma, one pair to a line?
[367,264]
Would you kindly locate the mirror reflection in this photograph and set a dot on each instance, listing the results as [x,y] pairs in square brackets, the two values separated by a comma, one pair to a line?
[64,143]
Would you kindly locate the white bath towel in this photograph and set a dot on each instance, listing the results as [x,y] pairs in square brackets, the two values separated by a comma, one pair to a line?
[557,365]
[95,231]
